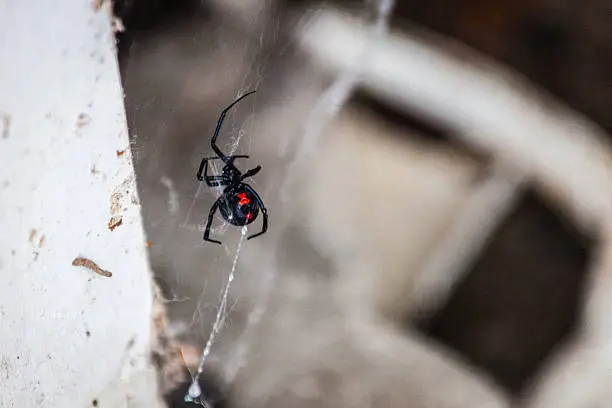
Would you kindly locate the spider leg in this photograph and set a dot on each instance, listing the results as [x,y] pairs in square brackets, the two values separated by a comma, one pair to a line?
[264,211]
[251,173]
[211,214]
[216,181]
[213,141]
[211,181]
[203,168]
[239,156]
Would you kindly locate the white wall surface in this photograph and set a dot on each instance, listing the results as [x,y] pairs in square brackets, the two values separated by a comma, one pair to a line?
[67,335]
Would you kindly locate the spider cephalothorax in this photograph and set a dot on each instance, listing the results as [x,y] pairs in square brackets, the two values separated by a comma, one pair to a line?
[238,204]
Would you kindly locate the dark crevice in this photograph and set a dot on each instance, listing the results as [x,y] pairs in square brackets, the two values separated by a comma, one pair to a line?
[520,300]
[149,16]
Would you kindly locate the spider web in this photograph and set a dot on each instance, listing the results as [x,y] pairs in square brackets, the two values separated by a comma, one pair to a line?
[328,105]
[209,319]
[233,133]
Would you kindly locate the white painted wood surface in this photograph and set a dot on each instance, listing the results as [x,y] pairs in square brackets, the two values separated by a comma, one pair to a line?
[67,335]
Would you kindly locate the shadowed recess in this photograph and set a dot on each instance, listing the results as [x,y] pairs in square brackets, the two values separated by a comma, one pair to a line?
[519,301]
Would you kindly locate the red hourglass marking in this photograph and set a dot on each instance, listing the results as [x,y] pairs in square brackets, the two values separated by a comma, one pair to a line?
[243,199]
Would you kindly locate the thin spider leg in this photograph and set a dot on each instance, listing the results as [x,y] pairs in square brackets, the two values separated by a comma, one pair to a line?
[211,214]
[239,156]
[232,157]
[211,181]
[204,165]
[251,173]
[213,141]
[216,181]
[203,168]
[264,211]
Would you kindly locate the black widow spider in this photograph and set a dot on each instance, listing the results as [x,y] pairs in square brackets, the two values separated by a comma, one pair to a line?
[239,204]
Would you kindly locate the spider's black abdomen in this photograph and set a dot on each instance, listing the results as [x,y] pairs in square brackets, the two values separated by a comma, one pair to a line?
[238,206]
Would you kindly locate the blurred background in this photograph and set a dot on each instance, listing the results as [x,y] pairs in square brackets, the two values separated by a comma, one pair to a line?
[346,323]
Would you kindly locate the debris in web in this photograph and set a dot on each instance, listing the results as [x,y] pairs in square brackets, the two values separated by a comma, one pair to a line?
[173,197]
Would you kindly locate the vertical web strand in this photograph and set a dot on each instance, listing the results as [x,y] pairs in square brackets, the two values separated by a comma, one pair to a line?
[195,393]
[328,105]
